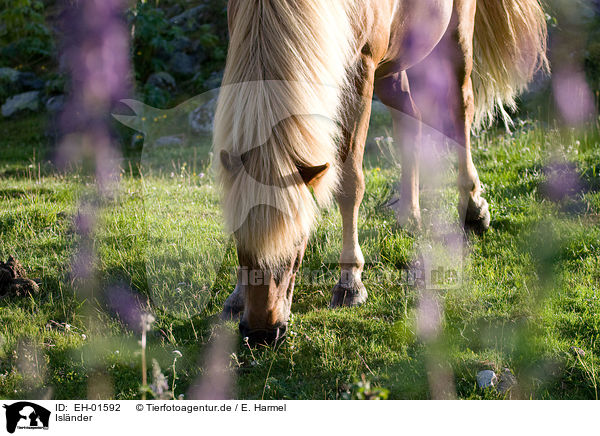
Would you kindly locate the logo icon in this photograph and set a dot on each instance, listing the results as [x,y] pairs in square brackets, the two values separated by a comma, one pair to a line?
[26,415]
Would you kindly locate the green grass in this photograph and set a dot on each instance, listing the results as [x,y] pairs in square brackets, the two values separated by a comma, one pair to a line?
[529,289]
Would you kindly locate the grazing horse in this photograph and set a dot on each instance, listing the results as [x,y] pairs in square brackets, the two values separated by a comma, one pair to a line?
[294,110]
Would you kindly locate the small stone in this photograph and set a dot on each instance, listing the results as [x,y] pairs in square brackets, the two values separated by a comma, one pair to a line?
[55,103]
[29,81]
[183,64]
[182,43]
[507,381]
[9,75]
[192,18]
[486,379]
[214,80]
[13,82]
[202,118]
[21,102]
[576,351]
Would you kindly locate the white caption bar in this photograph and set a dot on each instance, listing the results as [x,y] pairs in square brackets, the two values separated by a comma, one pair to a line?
[297,417]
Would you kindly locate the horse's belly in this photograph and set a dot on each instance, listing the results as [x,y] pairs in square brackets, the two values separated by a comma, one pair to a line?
[417,27]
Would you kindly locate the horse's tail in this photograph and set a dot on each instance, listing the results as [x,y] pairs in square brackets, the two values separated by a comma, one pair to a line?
[287,61]
[509,48]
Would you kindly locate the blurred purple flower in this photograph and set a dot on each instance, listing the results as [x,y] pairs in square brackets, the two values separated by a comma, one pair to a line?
[127,306]
[216,382]
[429,316]
[95,52]
[562,181]
[95,55]
[573,95]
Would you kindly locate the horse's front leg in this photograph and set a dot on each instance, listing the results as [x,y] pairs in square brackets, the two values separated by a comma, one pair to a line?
[234,305]
[350,291]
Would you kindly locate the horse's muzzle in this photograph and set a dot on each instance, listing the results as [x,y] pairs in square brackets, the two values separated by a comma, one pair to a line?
[267,336]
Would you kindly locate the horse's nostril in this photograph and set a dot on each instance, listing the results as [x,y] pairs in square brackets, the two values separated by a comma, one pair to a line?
[268,336]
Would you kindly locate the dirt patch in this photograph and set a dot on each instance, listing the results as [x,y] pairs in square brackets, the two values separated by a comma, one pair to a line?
[14,281]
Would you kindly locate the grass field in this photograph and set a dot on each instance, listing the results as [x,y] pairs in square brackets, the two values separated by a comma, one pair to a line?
[528,290]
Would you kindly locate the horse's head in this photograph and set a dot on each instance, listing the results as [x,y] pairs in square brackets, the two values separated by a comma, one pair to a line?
[271,219]
[275,141]
[268,291]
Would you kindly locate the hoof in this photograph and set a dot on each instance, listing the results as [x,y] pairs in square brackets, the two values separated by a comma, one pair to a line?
[234,306]
[477,218]
[348,296]
[406,217]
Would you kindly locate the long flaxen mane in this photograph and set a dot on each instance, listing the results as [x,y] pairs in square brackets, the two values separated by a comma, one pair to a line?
[287,60]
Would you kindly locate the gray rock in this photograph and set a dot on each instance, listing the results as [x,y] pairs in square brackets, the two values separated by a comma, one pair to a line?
[507,381]
[13,82]
[182,44]
[21,102]
[168,141]
[486,379]
[214,80]
[9,75]
[202,118]
[182,63]
[174,10]
[29,81]
[198,51]
[9,83]
[162,80]
[55,103]
[189,17]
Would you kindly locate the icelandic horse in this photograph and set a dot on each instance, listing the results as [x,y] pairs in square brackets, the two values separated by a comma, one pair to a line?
[277,162]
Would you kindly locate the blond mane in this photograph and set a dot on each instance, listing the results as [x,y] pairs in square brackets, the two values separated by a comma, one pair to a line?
[287,60]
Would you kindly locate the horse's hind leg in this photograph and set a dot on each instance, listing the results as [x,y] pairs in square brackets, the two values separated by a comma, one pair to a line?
[394,92]
[442,88]
[350,291]
[473,208]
